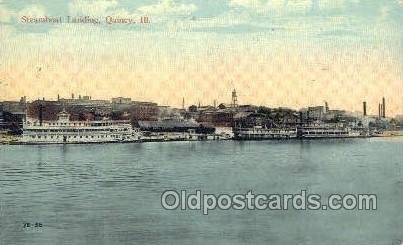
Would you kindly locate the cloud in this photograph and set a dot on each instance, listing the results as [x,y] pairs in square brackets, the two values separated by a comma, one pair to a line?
[274,6]
[331,4]
[92,8]
[33,10]
[298,6]
[285,7]
[248,3]
[7,15]
[168,7]
[259,5]
[111,7]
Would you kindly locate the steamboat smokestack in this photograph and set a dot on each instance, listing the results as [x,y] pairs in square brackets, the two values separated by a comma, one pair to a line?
[300,117]
[383,108]
[364,108]
[40,114]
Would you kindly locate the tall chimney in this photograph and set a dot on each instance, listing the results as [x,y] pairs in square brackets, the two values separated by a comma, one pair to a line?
[58,97]
[364,108]
[383,108]
[72,96]
[379,110]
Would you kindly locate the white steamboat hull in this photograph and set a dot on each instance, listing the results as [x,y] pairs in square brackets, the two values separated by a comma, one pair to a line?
[77,139]
[328,133]
[264,134]
[330,136]
[64,131]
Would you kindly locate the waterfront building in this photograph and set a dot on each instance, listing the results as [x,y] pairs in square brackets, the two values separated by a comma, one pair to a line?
[174,125]
[316,113]
[13,106]
[84,101]
[121,100]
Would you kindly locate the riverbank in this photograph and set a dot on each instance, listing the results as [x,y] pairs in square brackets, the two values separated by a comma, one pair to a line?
[6,139]
[392,133]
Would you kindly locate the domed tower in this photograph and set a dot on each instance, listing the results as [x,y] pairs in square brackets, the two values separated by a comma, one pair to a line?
[234,101]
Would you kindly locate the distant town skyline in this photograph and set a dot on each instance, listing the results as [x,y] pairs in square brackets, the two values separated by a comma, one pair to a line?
[274,53]
[382,109]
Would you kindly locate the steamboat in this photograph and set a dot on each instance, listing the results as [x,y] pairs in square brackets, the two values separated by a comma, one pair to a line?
[64,131]
[264,133]
[329,131]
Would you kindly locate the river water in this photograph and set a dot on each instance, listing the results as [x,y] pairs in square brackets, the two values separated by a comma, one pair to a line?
[111,193]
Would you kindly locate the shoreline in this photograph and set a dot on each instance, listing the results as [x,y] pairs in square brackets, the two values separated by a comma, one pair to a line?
[13,140]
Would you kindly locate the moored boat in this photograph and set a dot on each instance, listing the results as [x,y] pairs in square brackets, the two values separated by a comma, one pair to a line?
[263,133]
[328,131]
[64,131]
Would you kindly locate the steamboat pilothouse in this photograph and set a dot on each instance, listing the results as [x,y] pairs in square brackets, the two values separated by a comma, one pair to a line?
[64,131]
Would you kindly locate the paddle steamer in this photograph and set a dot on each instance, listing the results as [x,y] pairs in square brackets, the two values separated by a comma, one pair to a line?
[64,131]
[264,133]
[329,131]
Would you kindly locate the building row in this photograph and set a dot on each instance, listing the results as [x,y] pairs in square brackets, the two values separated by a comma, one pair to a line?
[153,117]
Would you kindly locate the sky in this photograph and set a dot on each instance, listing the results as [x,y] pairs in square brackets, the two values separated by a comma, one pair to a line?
[290,53]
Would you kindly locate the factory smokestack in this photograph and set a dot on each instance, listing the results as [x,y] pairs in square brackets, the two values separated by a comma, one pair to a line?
[379,110]
[364,108]
[383,108]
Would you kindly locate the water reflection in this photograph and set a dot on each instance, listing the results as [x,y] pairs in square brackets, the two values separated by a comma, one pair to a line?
[110,193]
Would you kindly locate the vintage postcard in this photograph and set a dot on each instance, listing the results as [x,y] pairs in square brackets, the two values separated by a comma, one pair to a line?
[201,122]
